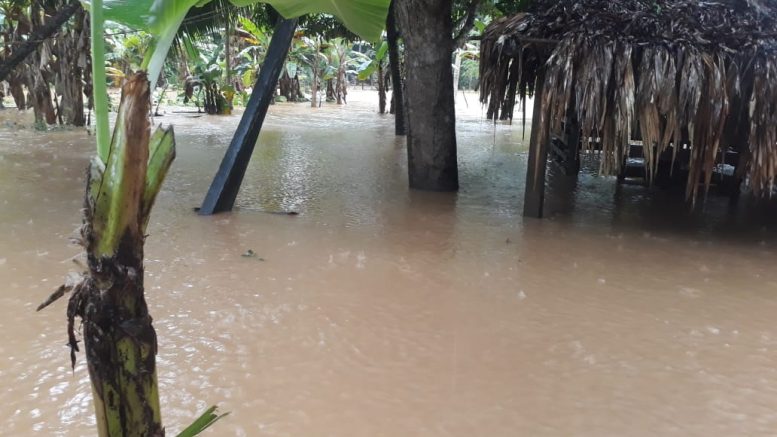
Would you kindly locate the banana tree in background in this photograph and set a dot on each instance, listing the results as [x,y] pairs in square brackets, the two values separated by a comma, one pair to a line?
[343,60]
[124,180]
[377,66]
[310,52]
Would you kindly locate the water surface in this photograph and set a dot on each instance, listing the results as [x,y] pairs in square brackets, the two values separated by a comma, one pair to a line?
[383,312]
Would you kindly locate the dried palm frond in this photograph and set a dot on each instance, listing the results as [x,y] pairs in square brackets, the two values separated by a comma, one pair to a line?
[676,72]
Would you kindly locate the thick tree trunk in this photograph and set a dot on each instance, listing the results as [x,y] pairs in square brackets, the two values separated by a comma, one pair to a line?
[431,144]
[397,94]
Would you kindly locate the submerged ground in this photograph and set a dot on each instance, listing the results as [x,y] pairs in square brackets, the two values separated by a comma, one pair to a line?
[383,312]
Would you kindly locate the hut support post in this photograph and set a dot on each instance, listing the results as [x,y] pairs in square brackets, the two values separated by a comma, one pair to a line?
[223,190]
[572,127]
[534,197]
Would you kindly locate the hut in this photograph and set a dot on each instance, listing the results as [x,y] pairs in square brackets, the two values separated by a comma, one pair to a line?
[681,86]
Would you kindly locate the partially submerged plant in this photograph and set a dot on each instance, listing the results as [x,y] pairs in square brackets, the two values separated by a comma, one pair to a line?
[124,180]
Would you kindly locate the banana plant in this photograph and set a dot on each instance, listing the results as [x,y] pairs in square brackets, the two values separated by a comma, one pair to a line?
[251,57]
[123,182]
[309,51]
[377,65]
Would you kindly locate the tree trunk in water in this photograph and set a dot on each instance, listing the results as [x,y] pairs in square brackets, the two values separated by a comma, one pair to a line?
[73,47]
[342,86]
[314,89]
[296,90]
[397,94]
[431,144]
[41,103]
[330,90]
[285,85]
[120,341]
[17,92]
[381,90]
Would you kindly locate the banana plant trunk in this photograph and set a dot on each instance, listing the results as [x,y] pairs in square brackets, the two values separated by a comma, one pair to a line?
[118,336]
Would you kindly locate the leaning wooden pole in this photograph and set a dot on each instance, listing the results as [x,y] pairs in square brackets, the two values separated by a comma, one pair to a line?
[223,190]
[119,340]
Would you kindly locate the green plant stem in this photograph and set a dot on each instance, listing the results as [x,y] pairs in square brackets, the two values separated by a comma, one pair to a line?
[99,80]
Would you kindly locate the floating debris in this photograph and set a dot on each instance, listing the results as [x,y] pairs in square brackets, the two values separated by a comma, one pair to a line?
[251,254]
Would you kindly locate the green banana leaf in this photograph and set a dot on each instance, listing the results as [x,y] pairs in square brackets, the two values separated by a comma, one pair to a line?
[162,18]
[366,18]
[369,67]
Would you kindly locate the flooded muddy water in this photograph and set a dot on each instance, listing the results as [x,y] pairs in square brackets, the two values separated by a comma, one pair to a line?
[378,311]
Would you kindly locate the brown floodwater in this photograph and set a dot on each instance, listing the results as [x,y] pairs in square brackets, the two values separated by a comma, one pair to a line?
[378,311]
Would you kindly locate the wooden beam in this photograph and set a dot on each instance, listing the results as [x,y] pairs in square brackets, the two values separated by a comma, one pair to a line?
[223,190]
[534,197]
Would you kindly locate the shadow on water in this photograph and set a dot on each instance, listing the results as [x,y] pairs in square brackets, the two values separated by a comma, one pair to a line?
[602,204]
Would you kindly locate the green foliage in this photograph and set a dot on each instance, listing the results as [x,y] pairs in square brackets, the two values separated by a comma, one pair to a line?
[126,48]
[468,78]
[375,59]
[162,18]
[366,18]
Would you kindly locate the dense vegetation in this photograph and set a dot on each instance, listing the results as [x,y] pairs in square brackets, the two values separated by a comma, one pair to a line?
[216,55]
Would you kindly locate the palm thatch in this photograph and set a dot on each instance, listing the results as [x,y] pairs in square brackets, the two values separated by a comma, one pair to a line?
[678,74]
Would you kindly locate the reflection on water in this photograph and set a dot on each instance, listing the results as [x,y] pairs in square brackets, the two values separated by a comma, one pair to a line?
[383,312]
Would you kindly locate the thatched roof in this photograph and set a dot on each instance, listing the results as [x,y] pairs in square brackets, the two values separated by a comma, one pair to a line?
[671,72]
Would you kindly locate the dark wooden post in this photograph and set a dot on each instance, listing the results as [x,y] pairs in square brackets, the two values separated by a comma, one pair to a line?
[572,128]
[534,198]
[223,190]
[397,91]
